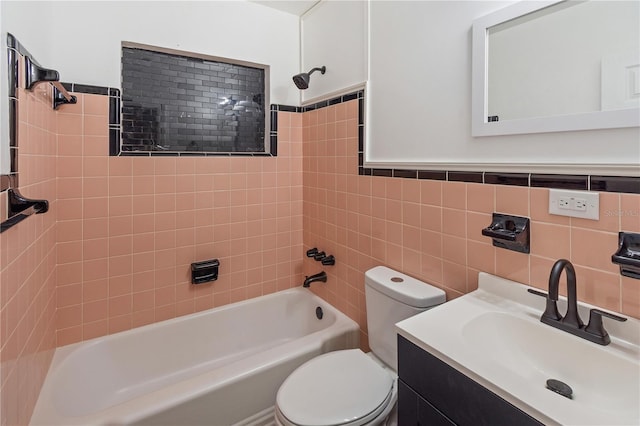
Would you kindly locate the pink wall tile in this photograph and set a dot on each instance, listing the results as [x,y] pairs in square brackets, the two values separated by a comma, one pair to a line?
[629,212]
[480,198]
[630,297]
[139,222]
[454,195]
[593,249]
[512,265]
[147,219]
[552,241]
[28,256]
[451,248]
[512,200]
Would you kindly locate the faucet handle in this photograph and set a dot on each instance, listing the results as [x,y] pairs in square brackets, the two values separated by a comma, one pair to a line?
[606,314]
[596,328]
[329,260]
[551,310]
[537,292]
[319,255]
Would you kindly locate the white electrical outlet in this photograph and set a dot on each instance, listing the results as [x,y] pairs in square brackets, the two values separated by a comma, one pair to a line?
[581,204]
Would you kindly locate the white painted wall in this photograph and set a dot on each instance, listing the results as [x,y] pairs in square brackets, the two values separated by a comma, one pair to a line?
[334,34]
[419,111]
[13,21]
[84,38]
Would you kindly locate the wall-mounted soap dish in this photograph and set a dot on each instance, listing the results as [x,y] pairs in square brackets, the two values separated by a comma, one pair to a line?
[509,232]
[628,254]
[204,271]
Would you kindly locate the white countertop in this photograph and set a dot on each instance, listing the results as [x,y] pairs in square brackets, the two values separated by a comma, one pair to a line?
[494,336]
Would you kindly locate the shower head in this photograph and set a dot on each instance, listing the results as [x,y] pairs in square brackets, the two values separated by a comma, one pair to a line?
[302,80]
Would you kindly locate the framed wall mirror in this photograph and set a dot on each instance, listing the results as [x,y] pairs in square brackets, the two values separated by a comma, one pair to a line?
[551,66]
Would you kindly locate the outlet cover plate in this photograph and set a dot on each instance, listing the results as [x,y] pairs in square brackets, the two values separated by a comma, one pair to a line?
[582,204]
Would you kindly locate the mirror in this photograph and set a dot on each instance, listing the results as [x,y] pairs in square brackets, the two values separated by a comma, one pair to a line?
[556,66]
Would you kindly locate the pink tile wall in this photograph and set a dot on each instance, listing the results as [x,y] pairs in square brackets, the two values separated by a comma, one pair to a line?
[114,251]
[27,266]
[432,229]
[129,227]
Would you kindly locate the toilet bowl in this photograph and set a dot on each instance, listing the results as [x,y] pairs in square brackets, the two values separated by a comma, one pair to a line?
[350,387]
[305,395]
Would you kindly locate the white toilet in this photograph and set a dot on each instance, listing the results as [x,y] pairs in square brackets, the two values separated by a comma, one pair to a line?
[350,387]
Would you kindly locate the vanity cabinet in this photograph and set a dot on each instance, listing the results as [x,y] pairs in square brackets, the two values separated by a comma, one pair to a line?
[430,392]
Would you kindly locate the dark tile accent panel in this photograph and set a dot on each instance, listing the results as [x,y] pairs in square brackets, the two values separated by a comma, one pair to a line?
[12,72]
[91,90]
[114,121]
[135,154]
[178,103]
[409,174]
[13,52]
[382,172]
[432,174]
[285,108]
[349,97]
[322,104]
[13,155]
[465,177]
[364,171]
[114,141]
[114,110]
[626,184]
[13,122]
[13,43]
[560,181]
[516,179]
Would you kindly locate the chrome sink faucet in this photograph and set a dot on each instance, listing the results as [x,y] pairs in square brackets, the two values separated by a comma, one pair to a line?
[571,322]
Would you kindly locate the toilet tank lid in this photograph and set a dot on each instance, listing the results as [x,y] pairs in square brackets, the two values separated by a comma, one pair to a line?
[403,288]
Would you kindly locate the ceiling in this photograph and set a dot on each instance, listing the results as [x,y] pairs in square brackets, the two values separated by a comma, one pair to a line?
[295,7]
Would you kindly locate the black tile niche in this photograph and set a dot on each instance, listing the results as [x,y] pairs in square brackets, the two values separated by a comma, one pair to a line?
[173,103]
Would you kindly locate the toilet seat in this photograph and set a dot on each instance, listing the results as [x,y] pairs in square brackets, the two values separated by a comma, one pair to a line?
[345,388]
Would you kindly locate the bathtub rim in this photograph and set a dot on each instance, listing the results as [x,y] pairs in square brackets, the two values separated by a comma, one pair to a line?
[142,406]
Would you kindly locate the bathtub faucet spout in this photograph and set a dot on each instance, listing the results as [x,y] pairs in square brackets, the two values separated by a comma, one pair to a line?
[321,276]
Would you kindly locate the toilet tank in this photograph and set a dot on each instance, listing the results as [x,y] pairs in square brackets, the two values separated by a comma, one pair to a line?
[392,296]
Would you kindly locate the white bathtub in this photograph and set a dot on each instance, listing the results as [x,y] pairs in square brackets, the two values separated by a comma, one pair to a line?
[217,367]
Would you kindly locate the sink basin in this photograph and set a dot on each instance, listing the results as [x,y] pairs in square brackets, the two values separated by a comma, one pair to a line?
[494,336]
[538,353]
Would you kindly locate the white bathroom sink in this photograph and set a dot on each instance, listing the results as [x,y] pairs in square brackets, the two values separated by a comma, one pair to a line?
[494,336]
